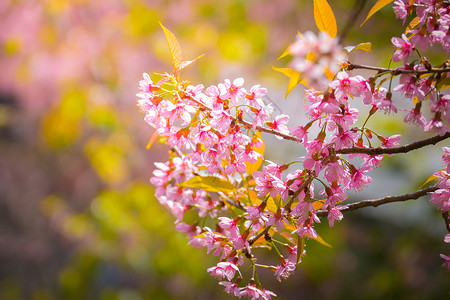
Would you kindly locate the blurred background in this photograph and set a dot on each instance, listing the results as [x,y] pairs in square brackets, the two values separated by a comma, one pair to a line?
[78,219]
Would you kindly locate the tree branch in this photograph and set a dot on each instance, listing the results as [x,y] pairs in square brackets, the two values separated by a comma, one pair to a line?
[245,123]
[255,238]
[352,66]
[393,150]
[446,217]
[377,202]
[356,11]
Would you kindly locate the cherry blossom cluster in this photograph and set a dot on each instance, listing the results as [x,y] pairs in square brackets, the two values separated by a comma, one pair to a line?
[433,21]
[213,182]
[316,55]
[429,28]
[441,197]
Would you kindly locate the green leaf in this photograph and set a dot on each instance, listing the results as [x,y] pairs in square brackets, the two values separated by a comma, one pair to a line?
[209,183]
[363,46]
[174,48]
[324,17]
[379,5]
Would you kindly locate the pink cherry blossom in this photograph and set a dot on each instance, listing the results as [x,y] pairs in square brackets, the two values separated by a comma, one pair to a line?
[334,214]
[231,288]
[280,124]
[285,269]
[404,48]
[224,269]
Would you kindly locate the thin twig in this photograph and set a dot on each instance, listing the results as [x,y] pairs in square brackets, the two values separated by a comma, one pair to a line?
[393,150]
[352,66]
[304,185]
[255,238]
[245,123]
[377,202]
[356,11]
[446,217]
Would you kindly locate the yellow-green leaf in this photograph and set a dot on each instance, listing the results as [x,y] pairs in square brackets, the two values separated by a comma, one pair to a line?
[324,17]
[444,83]
[384,80]
[209,183]
[273,204]
[252,167]
[431,178]
[320,240]
[363,46]
[300,247]
[174,48]
[379,5]
[413,24]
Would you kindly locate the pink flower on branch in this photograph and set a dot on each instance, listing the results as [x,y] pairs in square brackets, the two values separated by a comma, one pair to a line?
[224,269]
[404,48]
[285,269]
[279,124]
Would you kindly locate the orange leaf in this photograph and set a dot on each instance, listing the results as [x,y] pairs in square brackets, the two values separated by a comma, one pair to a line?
[317,205]
[184,64]
[320,240]
[432,177]
[294,78]
[288,237]
[174,48]
[152,140]
[413,24]
[324,17]
[363,46]
[328,73]
[379,5]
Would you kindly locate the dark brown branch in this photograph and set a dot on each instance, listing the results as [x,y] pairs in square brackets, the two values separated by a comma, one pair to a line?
[356,11]
[388,199]
[255,238]
[393,150]
[311,176]
[352,66]
[446,217]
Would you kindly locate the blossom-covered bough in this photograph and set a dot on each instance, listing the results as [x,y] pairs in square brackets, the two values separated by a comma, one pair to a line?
[213,182]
